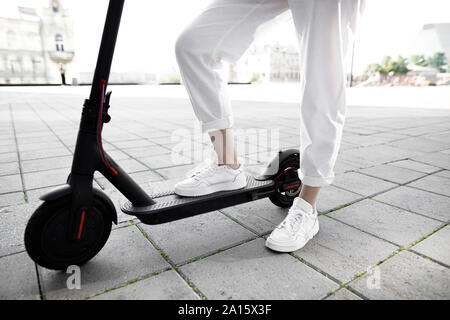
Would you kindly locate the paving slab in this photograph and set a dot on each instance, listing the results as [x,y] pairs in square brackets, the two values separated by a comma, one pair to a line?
[12,228]
[439,136]
[426,203]
[9,168]
[7,140]
[342,251]
[145,179]
[114,134]
[40,179]
[343,294]
[46,164]
[393,173]
[126,256]
[420,130]
[8,157]
[436,246]
[363,140]
[175,172]
[381,153]
[42,154]
[164,286]
[361,184]
[261,216]
[342,166]
[331,198]
[133,144]
[147,151]
[11,183]
[131,165]
[420,144]
[8,148]
[438,159]
[444,173]
[9,199]
[433,183]
[250,271]
[193,237]
[165,160]
[414,165]
[44,144]
[118,155]
[406,276]
[387,222]
[18,278]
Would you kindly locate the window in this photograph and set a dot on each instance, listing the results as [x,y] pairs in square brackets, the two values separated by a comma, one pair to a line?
[12,40]
[34,41]
[16,67]
[59,42]
[37,66]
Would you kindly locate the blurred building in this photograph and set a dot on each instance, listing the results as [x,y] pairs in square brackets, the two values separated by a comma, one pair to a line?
[434,37]
[284,64]
[269,63]
[35,44]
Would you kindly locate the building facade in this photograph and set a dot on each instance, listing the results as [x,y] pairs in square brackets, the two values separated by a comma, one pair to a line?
[36,45]
[284,64]
[270,63]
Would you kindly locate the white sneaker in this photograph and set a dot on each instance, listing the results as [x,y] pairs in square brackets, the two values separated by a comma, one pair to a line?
[200,167]
[209,178]
[299,226]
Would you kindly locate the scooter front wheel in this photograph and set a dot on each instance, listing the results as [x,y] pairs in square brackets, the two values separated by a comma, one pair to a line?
[288,184]
[47,241]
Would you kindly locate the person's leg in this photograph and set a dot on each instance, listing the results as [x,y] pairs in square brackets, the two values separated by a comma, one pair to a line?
[223,143]
[322,28]
[223,31]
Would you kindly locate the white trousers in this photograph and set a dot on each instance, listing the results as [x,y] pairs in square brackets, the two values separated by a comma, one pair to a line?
[225,30]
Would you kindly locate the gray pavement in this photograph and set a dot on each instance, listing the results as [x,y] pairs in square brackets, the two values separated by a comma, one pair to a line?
[384,221]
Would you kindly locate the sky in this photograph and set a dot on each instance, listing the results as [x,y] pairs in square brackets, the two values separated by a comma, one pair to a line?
[149,29]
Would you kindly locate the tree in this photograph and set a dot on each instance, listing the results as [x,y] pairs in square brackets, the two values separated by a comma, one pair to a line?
[438,61]
[372,68]
[389,66]
[418,60]
[400,66]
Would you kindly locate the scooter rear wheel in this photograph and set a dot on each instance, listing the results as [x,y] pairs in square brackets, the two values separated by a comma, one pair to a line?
[46,239]
[285,198]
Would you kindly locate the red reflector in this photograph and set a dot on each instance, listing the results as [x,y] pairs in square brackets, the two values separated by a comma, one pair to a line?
[80,229]
[293,186]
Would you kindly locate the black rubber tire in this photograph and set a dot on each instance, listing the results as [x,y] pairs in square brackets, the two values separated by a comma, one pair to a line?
[45,234]
[284,200]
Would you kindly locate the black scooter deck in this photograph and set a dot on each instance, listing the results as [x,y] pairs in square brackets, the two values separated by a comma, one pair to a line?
[170,207]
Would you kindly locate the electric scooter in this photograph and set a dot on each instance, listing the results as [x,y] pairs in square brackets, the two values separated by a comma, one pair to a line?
[74,221]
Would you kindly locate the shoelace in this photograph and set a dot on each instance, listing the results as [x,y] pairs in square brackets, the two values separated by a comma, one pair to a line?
[212,158]
[293,221]
[199,168]
[205,171]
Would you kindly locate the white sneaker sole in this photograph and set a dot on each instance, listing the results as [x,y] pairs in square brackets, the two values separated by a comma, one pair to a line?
[225,186]
[290,247]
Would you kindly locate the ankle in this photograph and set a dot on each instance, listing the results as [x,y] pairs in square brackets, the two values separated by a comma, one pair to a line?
[233,166]
[311,202]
